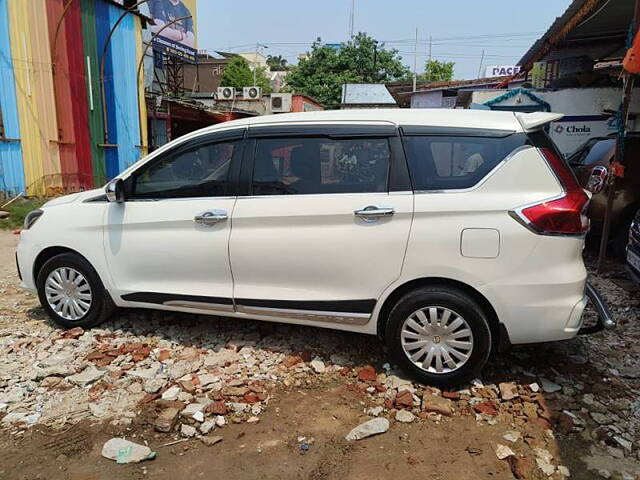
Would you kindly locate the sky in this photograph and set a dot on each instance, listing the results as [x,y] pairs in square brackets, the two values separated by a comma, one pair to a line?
[460,30]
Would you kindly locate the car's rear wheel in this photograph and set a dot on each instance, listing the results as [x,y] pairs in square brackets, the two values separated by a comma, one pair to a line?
[71,292]
[440,335]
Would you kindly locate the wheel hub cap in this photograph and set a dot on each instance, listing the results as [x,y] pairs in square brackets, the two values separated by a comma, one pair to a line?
[68,293]
[437,339]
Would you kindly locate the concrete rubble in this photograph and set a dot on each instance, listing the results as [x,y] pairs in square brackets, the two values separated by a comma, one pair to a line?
[192,376]
[368,428]
[124,451]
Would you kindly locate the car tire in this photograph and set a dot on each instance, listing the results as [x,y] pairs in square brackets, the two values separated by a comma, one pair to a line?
[452,326]
[69,278]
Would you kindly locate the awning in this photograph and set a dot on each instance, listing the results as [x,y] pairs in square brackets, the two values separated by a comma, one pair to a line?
[603,24]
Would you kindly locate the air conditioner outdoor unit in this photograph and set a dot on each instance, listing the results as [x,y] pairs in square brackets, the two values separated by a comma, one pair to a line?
[226,93]
[252,93]
[281,102]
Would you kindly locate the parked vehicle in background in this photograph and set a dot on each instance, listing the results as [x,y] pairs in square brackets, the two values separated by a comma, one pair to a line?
[633,248]
[591,163]
[444,232]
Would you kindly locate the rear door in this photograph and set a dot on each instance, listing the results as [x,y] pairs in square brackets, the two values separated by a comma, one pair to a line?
[322,228]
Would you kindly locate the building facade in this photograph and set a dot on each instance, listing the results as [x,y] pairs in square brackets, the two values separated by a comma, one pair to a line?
[70,97]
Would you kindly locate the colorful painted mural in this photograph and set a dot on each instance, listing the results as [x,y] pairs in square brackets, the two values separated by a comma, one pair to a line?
[70,102]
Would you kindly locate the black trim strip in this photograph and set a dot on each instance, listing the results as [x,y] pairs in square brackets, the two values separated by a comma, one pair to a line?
[399,179]
[342,306]
[160,298]
[409,130]
[329,130]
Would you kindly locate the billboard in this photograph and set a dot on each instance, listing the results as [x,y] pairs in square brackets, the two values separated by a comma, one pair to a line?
[501,70]
[176,20]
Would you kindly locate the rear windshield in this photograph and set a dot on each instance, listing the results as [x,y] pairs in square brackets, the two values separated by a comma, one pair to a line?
[453,162]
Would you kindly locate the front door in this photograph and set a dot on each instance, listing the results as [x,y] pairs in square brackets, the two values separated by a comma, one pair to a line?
[319,237]
[167,244]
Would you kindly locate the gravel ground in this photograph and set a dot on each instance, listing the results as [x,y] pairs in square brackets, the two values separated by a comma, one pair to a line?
[540,411]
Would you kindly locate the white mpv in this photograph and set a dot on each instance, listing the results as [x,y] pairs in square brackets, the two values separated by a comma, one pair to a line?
[444,232]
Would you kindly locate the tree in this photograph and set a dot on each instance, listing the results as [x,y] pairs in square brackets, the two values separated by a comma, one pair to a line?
[277,64]
[325,69]
[436,71]
[238,74]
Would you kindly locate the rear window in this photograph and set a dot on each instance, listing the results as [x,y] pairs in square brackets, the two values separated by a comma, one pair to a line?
[453,162]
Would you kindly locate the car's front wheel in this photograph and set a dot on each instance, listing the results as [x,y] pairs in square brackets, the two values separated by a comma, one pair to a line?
[440,335]
[71,292]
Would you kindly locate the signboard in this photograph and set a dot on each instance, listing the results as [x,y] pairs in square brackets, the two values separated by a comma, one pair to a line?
[176,38]
[569,133]
[165,12]
[502,70]
[166,46]
[539,74]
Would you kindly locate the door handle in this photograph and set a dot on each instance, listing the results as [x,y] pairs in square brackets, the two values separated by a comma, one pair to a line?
[211,217]
[371,213]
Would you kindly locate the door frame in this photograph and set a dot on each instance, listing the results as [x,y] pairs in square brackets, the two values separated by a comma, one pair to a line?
[345,312]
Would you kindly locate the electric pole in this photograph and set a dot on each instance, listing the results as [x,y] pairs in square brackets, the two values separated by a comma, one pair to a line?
[351,18]
[480,67]
[255,61]
[415,62]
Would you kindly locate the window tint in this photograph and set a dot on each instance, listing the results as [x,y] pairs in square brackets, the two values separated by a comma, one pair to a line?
[199,172]
[445,163]
[320,165]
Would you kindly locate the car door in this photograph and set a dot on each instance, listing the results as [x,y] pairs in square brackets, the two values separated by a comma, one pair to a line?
[168,242]
[322,228]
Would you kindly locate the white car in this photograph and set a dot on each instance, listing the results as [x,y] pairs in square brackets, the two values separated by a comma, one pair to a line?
[444,232]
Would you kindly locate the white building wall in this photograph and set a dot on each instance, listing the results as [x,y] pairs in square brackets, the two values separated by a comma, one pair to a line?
[427,99]
[585,112]
[570,101]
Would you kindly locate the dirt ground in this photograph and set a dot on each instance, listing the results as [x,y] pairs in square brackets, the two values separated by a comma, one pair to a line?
[300,431]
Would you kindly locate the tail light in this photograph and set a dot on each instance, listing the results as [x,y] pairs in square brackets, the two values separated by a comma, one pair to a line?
[564,215]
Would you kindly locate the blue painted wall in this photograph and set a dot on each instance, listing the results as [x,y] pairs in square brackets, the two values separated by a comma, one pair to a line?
[103,26]
[121,87]
[11,166]
[124,60]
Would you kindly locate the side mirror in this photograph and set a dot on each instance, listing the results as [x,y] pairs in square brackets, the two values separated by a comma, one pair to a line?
[115,190]
[597,179]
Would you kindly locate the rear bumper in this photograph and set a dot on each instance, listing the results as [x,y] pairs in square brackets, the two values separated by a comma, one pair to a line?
[533,313]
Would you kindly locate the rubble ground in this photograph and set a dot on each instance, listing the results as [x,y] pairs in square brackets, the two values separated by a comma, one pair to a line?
[250,399]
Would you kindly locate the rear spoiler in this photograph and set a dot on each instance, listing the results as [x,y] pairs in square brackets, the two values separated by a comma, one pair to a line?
[536,120]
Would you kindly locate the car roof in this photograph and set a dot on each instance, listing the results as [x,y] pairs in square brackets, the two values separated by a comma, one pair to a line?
[455,118]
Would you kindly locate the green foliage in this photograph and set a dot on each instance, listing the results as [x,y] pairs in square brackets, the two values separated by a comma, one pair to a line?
[17,211]
[436,71]
[238,74]
[325,69]
[277,63]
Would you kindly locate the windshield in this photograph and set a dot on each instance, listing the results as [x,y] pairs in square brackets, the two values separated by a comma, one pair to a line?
[594,152]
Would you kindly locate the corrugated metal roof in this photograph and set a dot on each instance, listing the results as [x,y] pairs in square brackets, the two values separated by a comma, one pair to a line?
[366,94]
[599,19]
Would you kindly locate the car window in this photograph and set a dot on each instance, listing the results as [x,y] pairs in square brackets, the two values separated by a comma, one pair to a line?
[320,165]
[198,172]
[444,163]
